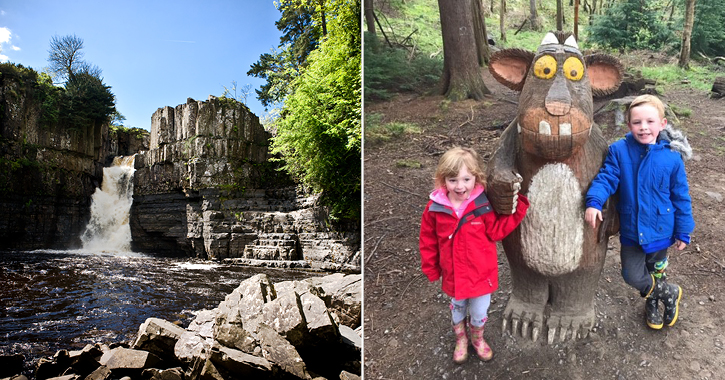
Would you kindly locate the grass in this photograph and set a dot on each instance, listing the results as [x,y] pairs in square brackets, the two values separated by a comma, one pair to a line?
[377,132]
[669,75]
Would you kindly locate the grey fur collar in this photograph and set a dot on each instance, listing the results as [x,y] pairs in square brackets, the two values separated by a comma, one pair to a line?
[677,140]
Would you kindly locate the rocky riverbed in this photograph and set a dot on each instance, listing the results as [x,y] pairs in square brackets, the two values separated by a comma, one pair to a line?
[309,329]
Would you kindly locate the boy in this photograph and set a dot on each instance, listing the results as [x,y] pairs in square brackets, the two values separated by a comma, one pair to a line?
[655,211]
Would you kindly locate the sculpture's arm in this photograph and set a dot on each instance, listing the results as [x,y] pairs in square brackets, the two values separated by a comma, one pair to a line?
[503,181]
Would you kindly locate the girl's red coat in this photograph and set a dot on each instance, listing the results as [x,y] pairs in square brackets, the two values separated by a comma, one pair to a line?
[467,261]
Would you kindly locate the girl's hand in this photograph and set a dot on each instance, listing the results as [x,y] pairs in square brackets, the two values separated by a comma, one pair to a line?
[680,245]
[591,215]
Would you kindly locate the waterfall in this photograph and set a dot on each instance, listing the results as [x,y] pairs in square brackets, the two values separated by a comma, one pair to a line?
[109,230]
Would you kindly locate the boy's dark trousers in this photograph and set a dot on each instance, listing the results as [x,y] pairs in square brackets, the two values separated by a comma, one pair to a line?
[645,272]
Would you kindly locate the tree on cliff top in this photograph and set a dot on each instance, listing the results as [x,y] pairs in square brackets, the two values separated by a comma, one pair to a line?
[301,35]
[86,99]
[318,133]
[66,58]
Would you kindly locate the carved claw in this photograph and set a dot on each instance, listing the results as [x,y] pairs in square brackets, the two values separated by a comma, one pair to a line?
[503,188]
[573,327]
[527,316]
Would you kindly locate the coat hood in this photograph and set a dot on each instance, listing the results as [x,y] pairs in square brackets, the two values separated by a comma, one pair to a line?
[677,140]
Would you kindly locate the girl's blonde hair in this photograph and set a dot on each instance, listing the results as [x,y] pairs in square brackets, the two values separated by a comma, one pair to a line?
[451,163]
[647,99]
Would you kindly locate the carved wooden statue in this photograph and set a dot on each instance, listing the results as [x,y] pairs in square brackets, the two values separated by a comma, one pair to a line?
[551,152]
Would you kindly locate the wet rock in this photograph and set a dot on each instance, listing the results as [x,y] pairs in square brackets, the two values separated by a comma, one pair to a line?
[204,323]
[47,368]
[350,337]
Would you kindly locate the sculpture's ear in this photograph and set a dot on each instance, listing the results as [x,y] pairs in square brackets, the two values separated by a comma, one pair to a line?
[605,73]
[510,66]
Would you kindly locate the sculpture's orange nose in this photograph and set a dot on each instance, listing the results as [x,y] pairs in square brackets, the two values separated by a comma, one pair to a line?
[558,99]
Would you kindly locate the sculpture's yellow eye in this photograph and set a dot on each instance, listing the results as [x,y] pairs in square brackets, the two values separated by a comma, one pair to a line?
[573,68]
[545,67]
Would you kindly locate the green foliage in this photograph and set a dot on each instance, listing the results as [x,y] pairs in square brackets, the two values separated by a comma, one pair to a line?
[388,70]
[301,33]
[87,101]
[708,32]
[319,133]
[631,24]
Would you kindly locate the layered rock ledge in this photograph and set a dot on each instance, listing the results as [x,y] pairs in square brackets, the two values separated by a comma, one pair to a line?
[306,329]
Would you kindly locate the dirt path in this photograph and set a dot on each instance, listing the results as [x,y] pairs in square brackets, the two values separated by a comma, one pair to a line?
[407,321]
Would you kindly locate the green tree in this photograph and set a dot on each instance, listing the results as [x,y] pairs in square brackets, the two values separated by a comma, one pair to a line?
[708,32]
[319,134]
[631,24]
[301,35]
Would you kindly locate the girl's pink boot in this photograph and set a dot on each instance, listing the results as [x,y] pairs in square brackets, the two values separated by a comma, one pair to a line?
[460,353]
[482,348]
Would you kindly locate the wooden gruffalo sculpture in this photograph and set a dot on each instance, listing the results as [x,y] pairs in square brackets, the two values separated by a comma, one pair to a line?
[550,153]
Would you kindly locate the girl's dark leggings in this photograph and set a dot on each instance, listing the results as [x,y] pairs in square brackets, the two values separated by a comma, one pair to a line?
[637,266]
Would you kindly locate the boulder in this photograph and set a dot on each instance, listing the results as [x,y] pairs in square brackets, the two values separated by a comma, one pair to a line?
[166,374]
[204,322]
[246,300]
[124,361]
[281,353]
[66,377]
[320,323]
[285,316]
[101,373]
[239,364]
[158,336]
[191,345]
[351,338]
[343,296]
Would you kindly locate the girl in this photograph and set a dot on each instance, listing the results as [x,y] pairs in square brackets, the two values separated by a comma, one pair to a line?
[457,242]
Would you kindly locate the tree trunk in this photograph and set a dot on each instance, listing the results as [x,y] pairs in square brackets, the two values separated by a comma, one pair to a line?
[559,15]
[718,88]
[576,20]
[370,16]
[686,33]
[502,24]
[534,18]
[479,30]
[462,78]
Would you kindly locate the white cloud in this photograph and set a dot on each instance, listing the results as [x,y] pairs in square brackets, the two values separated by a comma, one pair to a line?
[4,58]
[15,48]
[5,34]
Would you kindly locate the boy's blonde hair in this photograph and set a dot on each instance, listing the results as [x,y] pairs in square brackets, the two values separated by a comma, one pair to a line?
[647,99]
[451,163]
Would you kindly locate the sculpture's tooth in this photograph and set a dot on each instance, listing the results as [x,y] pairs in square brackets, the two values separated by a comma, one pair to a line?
[534,333]
[565,129]
[504,325]
[544,127]
[518,127]
[514,326]
[525,328]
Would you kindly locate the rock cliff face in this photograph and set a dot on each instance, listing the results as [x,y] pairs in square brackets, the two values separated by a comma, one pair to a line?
[204,184]
[47,174]
[207,188]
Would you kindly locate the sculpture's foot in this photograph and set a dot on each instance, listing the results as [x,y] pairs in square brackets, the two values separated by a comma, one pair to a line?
[569,327]
[530,317]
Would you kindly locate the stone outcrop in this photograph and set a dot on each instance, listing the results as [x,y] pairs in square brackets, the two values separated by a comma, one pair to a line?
[207,188]
[261,330]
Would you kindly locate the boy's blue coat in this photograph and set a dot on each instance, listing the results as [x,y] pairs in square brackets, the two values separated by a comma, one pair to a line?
[654,200]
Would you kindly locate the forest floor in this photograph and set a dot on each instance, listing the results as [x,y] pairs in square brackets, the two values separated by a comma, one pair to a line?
[408,331]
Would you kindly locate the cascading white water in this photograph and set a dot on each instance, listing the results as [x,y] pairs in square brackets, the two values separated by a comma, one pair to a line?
[109,230]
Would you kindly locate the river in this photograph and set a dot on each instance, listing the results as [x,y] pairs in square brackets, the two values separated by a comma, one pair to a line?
[51,300]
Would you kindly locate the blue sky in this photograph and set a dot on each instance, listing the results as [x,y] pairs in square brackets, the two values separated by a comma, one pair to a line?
[152,53]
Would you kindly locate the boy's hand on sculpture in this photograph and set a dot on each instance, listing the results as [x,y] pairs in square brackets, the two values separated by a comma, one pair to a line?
[503,191]
[591,215]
